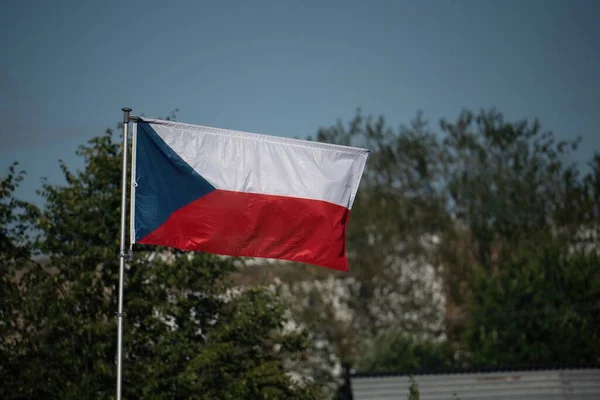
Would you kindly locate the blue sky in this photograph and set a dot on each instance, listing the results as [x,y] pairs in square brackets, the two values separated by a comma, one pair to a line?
[287,67]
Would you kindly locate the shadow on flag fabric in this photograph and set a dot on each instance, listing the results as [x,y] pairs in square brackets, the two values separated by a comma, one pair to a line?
[243,194]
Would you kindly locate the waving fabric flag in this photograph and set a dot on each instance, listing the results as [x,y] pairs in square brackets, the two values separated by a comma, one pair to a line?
[243,194]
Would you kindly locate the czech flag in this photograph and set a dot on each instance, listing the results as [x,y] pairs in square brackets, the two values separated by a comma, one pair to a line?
[243,194]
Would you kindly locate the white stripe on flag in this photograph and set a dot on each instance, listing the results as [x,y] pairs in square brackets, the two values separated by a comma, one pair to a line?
[262,164]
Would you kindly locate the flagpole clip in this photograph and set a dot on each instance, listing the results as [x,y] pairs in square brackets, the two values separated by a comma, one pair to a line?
[126,255]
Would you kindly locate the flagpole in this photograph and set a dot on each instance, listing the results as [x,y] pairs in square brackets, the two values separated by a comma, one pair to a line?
[122,254]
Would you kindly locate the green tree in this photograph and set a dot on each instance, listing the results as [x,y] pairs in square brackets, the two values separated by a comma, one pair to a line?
[401,352]
[16,248]
[16,221]
[448,208]
[509,184]
[413,390]
[542,308]
[189,332]
[520,206]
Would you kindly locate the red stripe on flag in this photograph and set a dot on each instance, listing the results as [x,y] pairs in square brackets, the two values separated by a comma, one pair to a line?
[257,225]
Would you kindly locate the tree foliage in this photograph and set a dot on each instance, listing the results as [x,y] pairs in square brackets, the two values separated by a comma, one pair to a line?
[542,308]
[479,204]
[523,211]
[16,219]
[397,353]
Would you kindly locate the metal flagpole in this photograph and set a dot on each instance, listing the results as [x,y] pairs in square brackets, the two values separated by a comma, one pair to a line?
[122,254]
